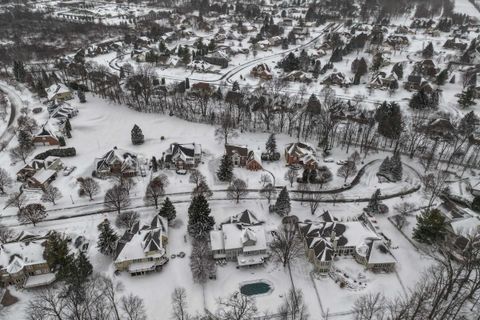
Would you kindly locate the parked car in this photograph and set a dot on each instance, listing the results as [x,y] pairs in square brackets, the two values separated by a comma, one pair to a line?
[181,172]
[68,170]
[346,185]
[341,162]
[328,160]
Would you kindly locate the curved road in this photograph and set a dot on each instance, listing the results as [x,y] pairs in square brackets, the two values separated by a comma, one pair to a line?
[97,208]
[229,74]
[15,103]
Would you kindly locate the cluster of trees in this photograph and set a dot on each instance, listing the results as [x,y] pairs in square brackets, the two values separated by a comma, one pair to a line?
[391,168]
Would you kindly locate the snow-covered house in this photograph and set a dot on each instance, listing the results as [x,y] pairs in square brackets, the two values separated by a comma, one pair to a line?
[244,218]
[337,78]
[182,156]
[238,154]
[46,137]
[254,161]
[241,239]
[142,249]
[326,239]
[300,153]
[22,263]
[117,162]
[49,163]
[261,71]
[58,92]
[41,179]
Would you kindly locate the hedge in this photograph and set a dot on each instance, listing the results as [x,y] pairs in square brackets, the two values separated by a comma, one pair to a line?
[63,152]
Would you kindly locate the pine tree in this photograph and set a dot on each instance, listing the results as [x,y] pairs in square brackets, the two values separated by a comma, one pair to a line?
[467,98]
[225,171]
[430,227]
[271,144]
[56,251]
[200,222]
[154,164]
[374,205]
[442,77]
[168,210]
[137,135]
[81,96]
[107,239]
[282,205]
[427,53]
[396,170]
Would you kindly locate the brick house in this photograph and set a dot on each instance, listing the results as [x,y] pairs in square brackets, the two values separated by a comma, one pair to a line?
[239,154]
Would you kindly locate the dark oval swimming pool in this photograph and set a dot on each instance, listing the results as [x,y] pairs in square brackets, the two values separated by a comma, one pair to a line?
[255,288]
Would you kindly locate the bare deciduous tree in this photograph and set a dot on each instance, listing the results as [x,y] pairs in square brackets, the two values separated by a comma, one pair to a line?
[237,190]
[20,152]
[5,180]
[126,219]
[17,200]
[117,198]
[32,213]
[179,304]
[156,189]
[6,234]
[51,194]
[293,306]
[227,128]
[268,192]
[291,175]
[287,244]
[88,187]
[236,307]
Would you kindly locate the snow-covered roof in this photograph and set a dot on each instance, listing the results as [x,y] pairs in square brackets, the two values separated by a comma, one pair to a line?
[376,255]
[39,280]
[56,89]
[15,255]
[234,236]
[466,226]
[43,175]
[145,241]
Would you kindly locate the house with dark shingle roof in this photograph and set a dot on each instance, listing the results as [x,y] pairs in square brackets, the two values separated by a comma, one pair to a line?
[182,156]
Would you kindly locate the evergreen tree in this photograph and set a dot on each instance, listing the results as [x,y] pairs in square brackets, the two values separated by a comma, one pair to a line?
[427,52]
[154,164]
[337,55]
[271,144]
[56,251]
[389,118]
[397,170]
[476,204]
[374,205]
[290,63]
[107,239]
[431,227]
[77,271]
[137,135]
[468,124]
[225,171]
[282,205]
[168,210]
[81,96]
[442,77]
[236,86]
[200,222]
[398,70]
[467,98]
[187,83]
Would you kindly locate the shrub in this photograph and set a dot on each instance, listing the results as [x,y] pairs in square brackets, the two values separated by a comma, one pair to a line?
[60,152]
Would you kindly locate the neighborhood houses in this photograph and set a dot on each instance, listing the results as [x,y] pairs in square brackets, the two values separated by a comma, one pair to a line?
[240,160]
